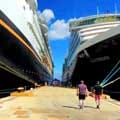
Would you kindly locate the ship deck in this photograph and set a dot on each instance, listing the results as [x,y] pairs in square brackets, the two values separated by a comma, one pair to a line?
[55,103]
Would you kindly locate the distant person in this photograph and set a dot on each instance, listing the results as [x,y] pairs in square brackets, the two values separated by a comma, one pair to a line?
[98,91]
[82,93]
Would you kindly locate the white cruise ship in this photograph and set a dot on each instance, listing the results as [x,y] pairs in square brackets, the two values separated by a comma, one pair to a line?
[25,57]
[94,52]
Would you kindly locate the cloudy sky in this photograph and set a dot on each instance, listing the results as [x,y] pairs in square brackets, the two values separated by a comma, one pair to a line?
[58,13]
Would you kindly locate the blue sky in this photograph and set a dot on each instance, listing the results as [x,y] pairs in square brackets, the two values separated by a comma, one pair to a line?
[58,13]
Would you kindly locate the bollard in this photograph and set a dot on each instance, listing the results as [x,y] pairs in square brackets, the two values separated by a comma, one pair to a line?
[46,84]
[20,89]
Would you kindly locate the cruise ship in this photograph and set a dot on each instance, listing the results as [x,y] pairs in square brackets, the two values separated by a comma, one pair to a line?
[25,55]
[93,53]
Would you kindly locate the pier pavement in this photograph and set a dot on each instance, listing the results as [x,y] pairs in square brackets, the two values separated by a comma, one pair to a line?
[55,103]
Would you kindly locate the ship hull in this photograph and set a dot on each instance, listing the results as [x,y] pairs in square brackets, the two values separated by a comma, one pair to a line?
[19,63]
[97,64]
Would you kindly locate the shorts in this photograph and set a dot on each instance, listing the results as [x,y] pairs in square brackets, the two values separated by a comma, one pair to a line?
[81,97]
[97,97]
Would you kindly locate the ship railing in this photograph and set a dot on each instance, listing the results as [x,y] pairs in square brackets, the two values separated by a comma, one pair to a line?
[113,71]
[111,82]
[13,69]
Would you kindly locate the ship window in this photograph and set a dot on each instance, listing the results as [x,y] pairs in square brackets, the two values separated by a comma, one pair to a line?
[81,42]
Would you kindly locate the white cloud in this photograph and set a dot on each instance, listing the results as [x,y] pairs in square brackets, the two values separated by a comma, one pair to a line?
[59,30]
[48,14]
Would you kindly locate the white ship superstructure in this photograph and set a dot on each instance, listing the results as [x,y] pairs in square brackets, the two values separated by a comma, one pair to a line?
[88,28]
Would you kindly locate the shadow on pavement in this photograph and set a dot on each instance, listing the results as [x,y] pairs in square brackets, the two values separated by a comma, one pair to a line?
[71,107]
[79,107]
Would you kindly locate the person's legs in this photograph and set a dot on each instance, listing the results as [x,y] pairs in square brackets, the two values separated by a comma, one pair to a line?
[82,103]
[81,100]
[97,100]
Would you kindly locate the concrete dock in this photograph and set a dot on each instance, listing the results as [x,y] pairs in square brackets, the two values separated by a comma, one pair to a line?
[55,103]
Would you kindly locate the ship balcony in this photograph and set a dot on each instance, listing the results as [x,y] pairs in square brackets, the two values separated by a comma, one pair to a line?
[32,3]
[44,28]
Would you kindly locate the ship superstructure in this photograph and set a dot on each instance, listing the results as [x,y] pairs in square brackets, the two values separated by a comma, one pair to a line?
[93,50]
[25,57]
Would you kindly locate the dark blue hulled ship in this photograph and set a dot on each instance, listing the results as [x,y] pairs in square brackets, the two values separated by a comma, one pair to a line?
[94,53]
[25,57]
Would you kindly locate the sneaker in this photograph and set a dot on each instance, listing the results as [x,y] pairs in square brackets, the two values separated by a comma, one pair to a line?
[98,107]
[81,107]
